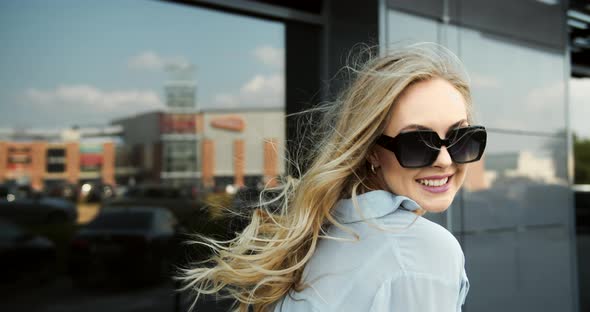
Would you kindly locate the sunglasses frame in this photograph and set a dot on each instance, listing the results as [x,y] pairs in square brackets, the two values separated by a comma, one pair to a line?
[394,145]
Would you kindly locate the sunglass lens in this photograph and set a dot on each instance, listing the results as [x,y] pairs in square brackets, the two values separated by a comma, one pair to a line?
[469,145]
[416,149]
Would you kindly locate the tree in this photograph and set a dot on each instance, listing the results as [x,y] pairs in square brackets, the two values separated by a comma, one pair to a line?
[581,160]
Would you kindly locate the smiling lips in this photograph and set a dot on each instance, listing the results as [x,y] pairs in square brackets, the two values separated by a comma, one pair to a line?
[435,184]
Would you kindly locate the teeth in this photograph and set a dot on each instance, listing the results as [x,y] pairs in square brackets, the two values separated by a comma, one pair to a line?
[434,182]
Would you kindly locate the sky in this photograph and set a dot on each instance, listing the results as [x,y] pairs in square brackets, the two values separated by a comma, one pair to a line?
[68,62]
[580,106]
[83,62]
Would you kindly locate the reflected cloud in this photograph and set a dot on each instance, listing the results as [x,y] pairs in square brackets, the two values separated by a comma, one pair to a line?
[150,60]
[515,86]
[271,56]
[260,91]
[93,99]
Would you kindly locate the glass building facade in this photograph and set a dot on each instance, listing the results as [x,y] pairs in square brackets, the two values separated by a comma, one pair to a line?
[261,62]
[514,217]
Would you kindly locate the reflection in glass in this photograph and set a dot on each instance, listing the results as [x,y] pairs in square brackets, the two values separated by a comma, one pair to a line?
[406,28]
[166,105]
[515,86]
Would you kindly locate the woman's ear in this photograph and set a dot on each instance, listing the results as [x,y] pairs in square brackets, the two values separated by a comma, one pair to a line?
[373,158]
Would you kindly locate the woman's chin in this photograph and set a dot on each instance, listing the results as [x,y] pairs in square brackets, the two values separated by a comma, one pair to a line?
[435,207]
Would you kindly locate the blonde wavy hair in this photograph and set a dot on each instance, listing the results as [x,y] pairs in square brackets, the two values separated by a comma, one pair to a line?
[266,260]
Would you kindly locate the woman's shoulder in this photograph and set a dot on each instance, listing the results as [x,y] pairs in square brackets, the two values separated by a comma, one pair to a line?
[343,268]
[426,247]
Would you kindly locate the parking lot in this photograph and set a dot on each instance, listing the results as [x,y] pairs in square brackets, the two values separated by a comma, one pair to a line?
[61,295]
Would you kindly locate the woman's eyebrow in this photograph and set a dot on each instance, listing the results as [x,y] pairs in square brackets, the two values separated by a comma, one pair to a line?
[415,126]
[421,127]
[457,124]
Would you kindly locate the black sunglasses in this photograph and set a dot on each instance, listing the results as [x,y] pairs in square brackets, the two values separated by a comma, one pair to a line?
[420,148]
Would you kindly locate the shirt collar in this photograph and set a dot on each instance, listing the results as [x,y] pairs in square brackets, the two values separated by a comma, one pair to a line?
[372,205]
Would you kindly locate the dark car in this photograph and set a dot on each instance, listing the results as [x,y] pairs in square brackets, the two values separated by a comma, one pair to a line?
[38,210]
[125,244]
[12,192]
[67,191]
[6,193]
[24,258]
[95,192]
[180,201]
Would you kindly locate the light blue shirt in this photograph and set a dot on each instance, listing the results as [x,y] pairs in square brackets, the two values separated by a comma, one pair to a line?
[401,262]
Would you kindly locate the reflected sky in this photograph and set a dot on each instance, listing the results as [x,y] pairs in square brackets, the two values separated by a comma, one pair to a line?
[515,87]
[580,106]
[87,62]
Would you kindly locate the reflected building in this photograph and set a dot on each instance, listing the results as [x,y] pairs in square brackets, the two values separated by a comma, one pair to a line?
[42,157]
[243,147]
[514,216]
[43,163]
[180,138]
[521,164]
[212,148]
[179,134]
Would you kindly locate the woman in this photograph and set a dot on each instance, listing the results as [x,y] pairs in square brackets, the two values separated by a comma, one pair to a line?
[349,235]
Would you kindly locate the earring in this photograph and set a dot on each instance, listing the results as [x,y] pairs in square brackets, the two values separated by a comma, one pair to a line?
[373,168]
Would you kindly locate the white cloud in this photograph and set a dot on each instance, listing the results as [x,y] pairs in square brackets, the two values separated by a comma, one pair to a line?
[146,60]
[271,56]
[92,100]
[255,84]
[262,90]
[150,60]
[259,91]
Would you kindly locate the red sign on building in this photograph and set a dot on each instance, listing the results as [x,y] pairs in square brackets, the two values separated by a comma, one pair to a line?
[177,123]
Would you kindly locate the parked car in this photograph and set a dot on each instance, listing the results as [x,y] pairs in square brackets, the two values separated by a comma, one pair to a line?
[24,258]
[39,210]
[6,193]
[67,191]
[180,201]
[10,192]
[94,192]
[125,244]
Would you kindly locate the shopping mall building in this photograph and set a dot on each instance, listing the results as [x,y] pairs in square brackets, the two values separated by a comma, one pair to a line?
[212,149]
[181,145]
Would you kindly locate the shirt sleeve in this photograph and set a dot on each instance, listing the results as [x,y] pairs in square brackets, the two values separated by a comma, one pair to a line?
[416,292]
[463,290]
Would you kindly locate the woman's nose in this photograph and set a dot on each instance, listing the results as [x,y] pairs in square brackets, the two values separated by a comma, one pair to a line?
[443,159]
